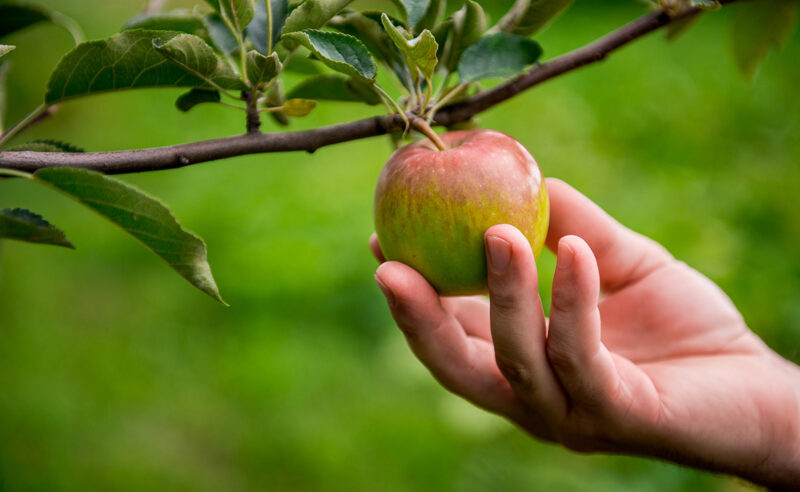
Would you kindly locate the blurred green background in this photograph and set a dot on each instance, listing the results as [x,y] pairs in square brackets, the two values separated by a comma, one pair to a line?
[116,374]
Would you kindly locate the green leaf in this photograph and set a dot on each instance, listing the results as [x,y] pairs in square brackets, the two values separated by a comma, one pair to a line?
[261,69]
[187,21]
[419,52]
[469,24]
[298,107]
[369,31]
[46,146]
[188,100]
[141,216]
[430,18]
[758,27]
[15,16]
[497,55]
[340,52]
[125,61]
[6,48]
[198,59]
[274,99]
[238,12]
[24,225]
[214,4]
[334,87]
[413,10]
[3,77]
[528,16]
[258,30]
[313,14]
[220,34]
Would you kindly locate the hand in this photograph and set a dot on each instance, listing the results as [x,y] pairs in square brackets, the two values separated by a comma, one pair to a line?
[661,365]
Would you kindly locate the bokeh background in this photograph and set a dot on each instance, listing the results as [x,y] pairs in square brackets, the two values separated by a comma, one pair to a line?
[116,374]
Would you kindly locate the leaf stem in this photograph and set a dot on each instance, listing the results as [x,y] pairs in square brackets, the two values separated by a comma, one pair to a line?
[21,124]
[268,6]
[459,89]
[394,104]
[70,25]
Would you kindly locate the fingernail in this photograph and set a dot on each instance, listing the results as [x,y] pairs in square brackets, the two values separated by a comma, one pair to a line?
[386,291]
[565,256]
[499,253]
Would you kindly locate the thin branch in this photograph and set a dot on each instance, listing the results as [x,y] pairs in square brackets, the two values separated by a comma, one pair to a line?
[158,158]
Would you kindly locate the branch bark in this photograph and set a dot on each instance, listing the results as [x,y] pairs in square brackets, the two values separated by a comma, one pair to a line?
[158,158]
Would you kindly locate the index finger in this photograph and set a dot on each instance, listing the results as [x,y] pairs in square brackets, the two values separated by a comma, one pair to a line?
[623,256]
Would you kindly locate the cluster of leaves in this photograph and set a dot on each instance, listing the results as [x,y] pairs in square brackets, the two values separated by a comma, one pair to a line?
[235,53]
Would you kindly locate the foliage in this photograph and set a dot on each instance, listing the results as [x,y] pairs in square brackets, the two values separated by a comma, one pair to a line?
[234,52]
[117,377]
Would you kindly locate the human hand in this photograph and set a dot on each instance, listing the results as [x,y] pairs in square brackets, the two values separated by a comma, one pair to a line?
[661,365]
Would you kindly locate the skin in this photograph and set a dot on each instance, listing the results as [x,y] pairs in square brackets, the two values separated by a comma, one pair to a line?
[432,207]
[661,365]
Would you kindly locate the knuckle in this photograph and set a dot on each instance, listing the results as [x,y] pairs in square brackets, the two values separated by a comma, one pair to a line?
[560,357]
[503,300]
[515,372]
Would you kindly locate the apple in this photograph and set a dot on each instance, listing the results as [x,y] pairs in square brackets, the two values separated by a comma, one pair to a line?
[432,207]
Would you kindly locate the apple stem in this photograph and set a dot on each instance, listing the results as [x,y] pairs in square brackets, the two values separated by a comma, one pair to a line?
[424,128]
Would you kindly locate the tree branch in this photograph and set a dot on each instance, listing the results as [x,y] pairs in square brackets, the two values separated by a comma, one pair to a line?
[152,159]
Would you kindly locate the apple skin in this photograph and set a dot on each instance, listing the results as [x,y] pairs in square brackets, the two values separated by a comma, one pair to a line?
[433,207]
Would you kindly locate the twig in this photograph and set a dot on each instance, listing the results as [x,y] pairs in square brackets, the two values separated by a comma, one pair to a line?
[253,117]
[152,159]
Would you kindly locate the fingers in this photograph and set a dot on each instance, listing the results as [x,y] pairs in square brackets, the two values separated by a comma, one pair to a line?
[583,365]
[518,323]
[438,340]
[375,247]
[623,256]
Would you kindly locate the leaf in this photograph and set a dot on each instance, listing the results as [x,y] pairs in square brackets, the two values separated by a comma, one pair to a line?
[124,61]
[198,59]
[469,24]
[46,146]
[298,107]
[220,34]
[497,55]
[413,10]
[370,32]
[432,14]
[526,17]
[313,14]
[419,52]
[274,99]
[261,69]
[6,48]
[15,16]
[24,225]
[258,30]
[334,87]
[340,52]
[188,100]
[3,77]
[141,216]
[186,21]
[758,27]
[238,12]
